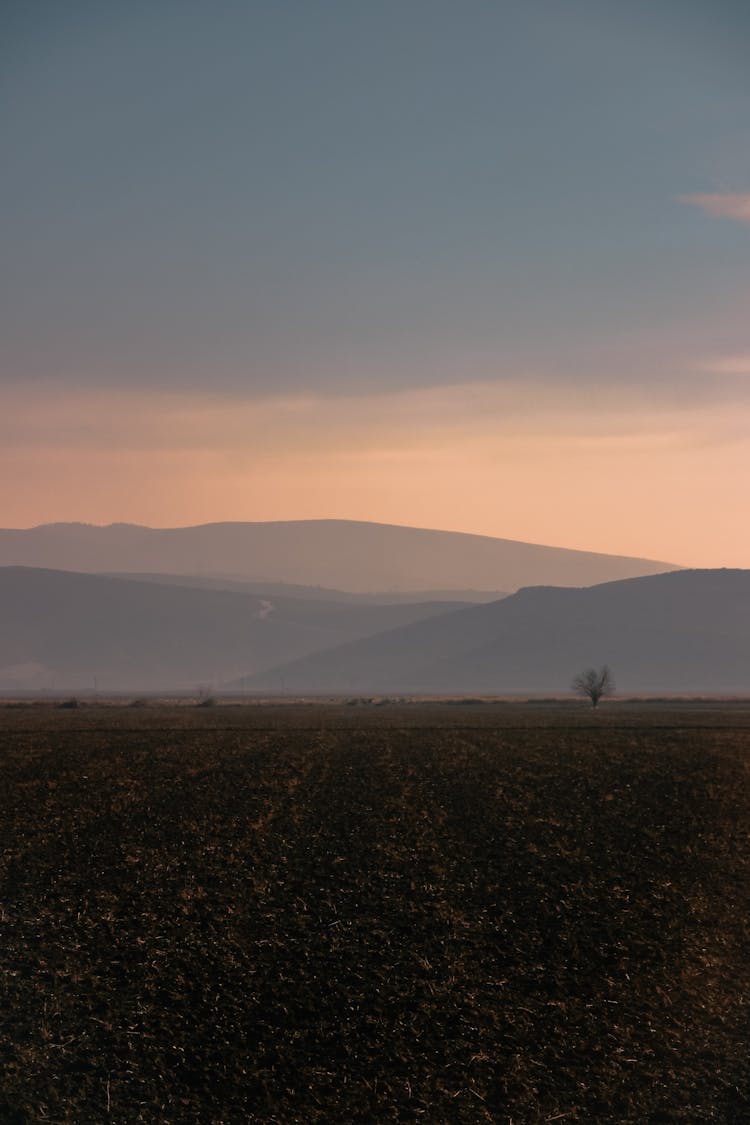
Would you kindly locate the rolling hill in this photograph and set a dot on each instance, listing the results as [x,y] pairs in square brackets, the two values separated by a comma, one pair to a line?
[346,554]
[68,631]
[309,594]
[683,632]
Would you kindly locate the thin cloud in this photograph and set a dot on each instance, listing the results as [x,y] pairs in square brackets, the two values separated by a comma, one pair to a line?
[728,364]
[722,205]
[249,430]
[500,459]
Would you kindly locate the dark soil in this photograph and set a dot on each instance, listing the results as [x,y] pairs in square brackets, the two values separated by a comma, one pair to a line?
[258,915]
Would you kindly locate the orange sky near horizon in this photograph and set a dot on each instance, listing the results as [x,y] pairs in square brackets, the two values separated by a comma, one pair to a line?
[501,459]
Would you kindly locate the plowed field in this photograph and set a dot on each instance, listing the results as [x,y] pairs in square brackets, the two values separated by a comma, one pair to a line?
[375,914]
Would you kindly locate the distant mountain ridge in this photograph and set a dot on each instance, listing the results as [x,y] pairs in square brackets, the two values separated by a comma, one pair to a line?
[683,632]
[349,555]
[308,594]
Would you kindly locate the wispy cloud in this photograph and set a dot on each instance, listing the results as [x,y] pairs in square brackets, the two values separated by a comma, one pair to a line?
[512,459]
[428,418]
[727,364]
[722,205]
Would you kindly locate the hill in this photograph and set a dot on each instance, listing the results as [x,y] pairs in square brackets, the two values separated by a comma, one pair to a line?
[346,554]
[66,631]
[683,632]
[309,594]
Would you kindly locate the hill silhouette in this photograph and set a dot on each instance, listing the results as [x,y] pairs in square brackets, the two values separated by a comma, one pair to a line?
[325,594]
[683,632]
[346,554]
[63,630]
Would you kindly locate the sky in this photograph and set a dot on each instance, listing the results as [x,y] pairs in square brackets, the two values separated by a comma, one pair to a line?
[480,266]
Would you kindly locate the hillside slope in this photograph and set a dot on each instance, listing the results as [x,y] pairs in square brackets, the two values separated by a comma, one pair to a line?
[66,630]
[687,631]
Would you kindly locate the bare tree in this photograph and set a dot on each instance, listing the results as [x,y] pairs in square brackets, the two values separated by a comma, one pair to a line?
[594,684]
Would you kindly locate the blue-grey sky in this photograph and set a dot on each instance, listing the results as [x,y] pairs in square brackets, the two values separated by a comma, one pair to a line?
[350,198]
